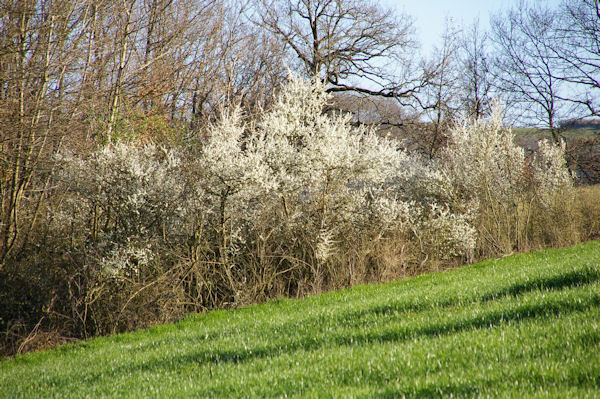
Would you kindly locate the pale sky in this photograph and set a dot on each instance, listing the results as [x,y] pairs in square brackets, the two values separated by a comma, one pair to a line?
[430,15]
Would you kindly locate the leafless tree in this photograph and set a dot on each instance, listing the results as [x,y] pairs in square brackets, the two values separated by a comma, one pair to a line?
[75,73]
[526,68]
[354,45]
[443,90]
[475,77]
[39,41]
[577,45]
[251,63]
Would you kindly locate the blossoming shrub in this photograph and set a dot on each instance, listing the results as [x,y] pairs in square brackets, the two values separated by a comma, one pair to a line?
[514,199]
[294,202]
[557,215]
[125,215]
[286,200]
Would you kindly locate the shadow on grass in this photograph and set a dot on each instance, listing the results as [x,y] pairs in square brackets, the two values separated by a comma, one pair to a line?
[566,280]
[357,318]
[493,319]
[538,384]
[545,309]
[572,279]
[575,278]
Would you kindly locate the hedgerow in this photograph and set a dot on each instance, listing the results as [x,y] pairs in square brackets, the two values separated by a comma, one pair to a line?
[294,202]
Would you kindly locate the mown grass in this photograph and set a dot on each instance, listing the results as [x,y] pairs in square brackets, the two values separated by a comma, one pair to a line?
[522,326]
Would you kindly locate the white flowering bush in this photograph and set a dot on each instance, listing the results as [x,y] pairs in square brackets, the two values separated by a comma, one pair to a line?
[126,261]
[126,210]
[550,172]
[292,202]
[484,161]
[132,191]
[295,190]
[492,176]
[298,200]
[556,215]
[124,199]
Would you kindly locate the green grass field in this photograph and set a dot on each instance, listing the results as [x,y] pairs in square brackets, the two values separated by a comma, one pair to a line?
[523,326]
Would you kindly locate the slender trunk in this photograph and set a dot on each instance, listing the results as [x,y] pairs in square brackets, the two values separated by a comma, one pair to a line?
[117,89]
[11,218]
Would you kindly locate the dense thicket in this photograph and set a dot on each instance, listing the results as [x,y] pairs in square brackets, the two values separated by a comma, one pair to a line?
[293,202]
[153,161]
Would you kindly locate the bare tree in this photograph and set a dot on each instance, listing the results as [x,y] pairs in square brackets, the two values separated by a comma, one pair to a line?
[475,78]
[443,90]
[577,45]
[355,45]
[200,56]
[39,43]
[73,72]
[525,67]
[251,64]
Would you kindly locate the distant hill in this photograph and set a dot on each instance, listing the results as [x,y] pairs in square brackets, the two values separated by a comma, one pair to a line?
[592,124]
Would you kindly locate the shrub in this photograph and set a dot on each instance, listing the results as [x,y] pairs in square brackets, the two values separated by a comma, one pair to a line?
[293,192]
[123,221]
[589,208]
[294,202]
[516,199]
[583,155]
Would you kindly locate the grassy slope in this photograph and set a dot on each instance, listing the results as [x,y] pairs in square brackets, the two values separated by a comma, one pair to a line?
[527,325]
